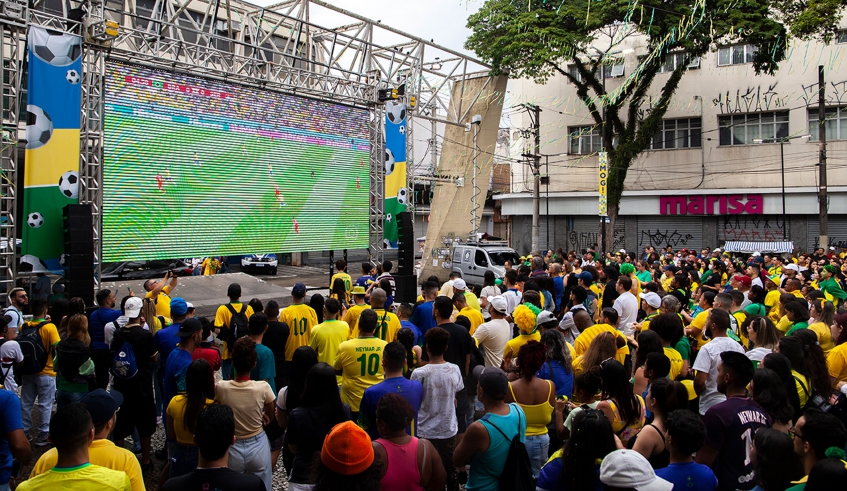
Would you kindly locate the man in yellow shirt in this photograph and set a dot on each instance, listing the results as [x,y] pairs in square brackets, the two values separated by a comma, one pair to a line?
[341,268]
[387,323]
[352,315]
[159,291]
[359,362]
[300,319]
[72,432]
[103,407]
[40,385]
[459,286]
[210,266]
[223,321]
[328,335]
[608,323]
[461,303]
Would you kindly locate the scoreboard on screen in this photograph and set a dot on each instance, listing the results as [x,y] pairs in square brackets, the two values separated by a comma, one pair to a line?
[194,167]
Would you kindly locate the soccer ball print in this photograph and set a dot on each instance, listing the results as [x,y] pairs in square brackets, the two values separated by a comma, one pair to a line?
[39,127]
[35,219]
[69,184]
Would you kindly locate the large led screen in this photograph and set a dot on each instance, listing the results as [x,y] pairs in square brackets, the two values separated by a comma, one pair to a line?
[195,167]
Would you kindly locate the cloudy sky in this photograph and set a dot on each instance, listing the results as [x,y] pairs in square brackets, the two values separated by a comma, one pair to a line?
[441,20]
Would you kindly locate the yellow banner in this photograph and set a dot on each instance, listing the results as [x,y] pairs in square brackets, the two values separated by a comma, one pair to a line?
[602,175]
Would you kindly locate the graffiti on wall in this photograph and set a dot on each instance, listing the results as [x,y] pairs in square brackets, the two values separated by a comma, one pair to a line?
[835,96]
[663,238]
[578,241]
[834,241]
[753,229]
[750,100]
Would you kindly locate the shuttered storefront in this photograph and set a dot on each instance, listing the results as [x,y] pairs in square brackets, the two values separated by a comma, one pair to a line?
[677,232]
[751,228]
[584,231]
[837,231]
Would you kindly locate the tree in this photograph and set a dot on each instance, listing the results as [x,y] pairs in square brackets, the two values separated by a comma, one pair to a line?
[539,38]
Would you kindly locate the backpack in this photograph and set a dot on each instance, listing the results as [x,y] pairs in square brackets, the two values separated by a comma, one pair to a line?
[517,472]
[237,324]
[33,350]
[124,365]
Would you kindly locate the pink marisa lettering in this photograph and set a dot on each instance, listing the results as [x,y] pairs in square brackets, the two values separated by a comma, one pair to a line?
[733,204]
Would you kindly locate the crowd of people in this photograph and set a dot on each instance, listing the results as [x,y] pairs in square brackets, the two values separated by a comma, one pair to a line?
[655,371]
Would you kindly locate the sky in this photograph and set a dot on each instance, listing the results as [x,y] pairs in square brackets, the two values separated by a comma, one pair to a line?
[443,21]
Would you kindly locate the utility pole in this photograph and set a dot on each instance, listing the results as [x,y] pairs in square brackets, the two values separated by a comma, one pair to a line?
[822,197]
[536,179]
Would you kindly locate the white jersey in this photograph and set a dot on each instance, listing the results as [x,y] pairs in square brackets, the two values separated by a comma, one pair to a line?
[10,355]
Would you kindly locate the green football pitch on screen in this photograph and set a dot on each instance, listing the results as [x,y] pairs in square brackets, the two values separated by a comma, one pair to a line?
[194,167]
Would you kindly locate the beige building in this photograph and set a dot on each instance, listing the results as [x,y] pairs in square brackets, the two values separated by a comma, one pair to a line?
[707,178]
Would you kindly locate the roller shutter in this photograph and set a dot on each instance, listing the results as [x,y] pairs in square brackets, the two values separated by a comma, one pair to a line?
[584,231]
[837,231]
[677,232]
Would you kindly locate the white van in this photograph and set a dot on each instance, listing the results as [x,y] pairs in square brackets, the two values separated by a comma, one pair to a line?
[473,259]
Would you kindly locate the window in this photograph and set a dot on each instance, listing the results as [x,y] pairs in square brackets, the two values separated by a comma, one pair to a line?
[736,55]
[616,70]
[678,133]
[742,129]
[676,59]
[584,139]
[836,123]
[575,73]
[841,36]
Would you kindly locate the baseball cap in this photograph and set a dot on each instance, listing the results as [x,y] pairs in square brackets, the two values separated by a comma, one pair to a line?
[652,298]
[460,284]
[359,290]
[179,306]
[492,381]
[544,317]
[792,267]
[102,405]
[189,305]
[717,249]
[775,278]
[498,303]
[743,279]
[622,251]
[189,327]
[347,449]
[299,290]
[757,254]
[585,276]
[629,469]
[831,248]
[132,307]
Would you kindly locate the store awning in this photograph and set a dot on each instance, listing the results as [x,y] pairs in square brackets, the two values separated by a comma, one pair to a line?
[751,247]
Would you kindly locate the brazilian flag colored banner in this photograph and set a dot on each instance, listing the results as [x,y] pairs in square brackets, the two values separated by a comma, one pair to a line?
[51,176]
[396,193]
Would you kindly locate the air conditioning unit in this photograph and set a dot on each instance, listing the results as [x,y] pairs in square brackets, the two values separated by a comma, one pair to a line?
[223,26]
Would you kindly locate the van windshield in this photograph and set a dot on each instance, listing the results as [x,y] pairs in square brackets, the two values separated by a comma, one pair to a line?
[499,258]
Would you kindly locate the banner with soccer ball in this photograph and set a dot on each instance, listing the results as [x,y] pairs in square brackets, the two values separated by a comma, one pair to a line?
[51,175]
[396,193]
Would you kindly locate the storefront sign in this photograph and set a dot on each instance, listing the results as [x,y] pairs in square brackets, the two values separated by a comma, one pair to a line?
[733,204]
[602,175]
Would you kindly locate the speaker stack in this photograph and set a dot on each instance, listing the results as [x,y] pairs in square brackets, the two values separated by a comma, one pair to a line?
[79,252]
[406,282]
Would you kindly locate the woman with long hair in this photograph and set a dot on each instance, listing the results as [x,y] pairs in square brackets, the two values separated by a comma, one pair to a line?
[781,365]
[763,336]
[75,369]
[303,359]
[767,389]
[823,314]
[406,337]
[317,303]
[663,397]
[559,364]
[624,409]
[794,349]
[58,312]
[648,342]
[816,361]
[797,312]
[776,463]
[76,305]
[182,415]
[489,289]
[339,292]
[537,398]
[319,411]
[602,347]
[756,295]
[837,359]
[577,465]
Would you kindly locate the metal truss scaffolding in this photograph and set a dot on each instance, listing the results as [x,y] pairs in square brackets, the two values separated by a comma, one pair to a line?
[277,48]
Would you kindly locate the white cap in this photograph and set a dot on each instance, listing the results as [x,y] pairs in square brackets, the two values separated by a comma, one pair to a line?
[717,249]
[629,469]
[498,303]
[460,284]
[831,248]
[792,267]
[757,254]
[189,305]
[132,307]
[652,298]
[622,251]
[544,316]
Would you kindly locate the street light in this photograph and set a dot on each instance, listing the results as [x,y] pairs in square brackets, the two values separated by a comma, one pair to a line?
[781,142]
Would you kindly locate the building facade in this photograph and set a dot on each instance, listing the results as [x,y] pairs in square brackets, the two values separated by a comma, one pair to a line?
[712,174]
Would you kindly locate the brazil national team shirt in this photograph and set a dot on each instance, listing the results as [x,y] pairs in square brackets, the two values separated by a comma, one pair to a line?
[730,428]
[300,319]
[360,361]
[411,390]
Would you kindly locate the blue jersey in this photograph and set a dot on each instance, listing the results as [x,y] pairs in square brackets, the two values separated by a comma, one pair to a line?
[422,317]
[414,329]
[412,390]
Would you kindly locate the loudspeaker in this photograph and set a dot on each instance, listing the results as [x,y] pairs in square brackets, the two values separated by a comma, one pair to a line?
[406,288]
[79,252]
[405,244]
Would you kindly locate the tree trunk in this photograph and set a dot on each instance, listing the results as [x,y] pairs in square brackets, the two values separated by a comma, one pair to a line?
[612,209]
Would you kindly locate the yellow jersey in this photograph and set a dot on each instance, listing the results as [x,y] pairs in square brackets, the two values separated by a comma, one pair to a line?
[676,362]
[824,336]
[80,478]
[474,316]
[581,343]
[699,322]
[360,362]
[836,363]
[387,325]
[163,302]
[740,317]
[101,453]
[348,282]
[176,410]
[352,316]
[50,338]
[784,324]
[300,319]
[473,302]
[222,318]
[772,304]
[514,345]
[326,339]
